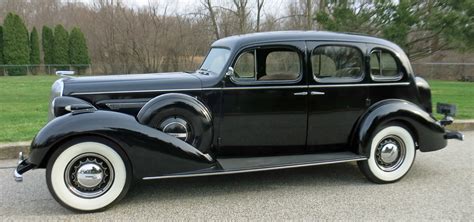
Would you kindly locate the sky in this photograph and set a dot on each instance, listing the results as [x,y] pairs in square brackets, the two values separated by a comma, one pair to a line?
[274,7]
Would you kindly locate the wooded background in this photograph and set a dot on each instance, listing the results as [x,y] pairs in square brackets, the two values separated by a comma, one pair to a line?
[152,38]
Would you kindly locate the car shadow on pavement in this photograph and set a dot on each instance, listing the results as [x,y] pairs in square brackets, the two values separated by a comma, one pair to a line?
[344,174]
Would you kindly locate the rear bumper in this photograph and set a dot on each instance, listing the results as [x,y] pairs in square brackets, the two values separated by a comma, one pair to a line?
[440,139]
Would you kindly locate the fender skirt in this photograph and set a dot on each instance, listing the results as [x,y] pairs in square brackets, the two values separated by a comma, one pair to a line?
[428,134]
[150,151]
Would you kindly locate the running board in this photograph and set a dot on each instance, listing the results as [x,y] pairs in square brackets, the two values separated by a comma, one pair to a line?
[255,164]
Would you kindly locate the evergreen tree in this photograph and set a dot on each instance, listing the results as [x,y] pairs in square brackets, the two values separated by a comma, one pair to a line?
[61,47]
[419,27]
[15,40]
[78,53]
[47,40]
[1,46]
[34,50]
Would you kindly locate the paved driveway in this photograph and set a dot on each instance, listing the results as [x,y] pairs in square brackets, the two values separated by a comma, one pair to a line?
[438,187]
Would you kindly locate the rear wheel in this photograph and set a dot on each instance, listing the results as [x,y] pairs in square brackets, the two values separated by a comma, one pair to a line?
[88,174]
[392,153]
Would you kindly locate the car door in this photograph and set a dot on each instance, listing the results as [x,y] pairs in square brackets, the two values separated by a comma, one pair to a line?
[265,102]
[338,95]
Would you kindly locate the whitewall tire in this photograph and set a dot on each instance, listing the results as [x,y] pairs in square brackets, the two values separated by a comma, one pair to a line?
[392,153]
[88,174]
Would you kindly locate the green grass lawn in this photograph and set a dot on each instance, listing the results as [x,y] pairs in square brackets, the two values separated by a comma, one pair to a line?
[459,93]
[23,106]
[24,103]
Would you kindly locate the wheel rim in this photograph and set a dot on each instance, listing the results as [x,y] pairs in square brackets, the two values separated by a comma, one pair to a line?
[390,153]
[177,127]
[89,175]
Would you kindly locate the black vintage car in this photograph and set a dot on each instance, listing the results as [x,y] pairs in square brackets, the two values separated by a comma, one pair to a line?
[258,102]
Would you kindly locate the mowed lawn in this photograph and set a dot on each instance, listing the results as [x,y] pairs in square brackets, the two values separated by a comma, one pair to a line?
[24,103]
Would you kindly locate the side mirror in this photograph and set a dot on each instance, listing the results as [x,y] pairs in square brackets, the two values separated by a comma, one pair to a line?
[230,72]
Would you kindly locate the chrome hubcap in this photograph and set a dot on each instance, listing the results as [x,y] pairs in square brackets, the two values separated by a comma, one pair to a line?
[89,175]
[176,127]
[390,153]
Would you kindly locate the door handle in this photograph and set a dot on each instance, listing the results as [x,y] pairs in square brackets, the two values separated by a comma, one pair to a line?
[300,93]
[315,93]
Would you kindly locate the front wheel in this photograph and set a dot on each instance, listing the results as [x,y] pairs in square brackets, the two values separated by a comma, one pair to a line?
[392,153]
[88,174]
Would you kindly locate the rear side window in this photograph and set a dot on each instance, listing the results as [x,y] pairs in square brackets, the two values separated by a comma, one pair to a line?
[337,64]
[282,65]
[268,64]
[384,66]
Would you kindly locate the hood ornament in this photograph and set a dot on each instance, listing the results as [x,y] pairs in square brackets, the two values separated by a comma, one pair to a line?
[65,73]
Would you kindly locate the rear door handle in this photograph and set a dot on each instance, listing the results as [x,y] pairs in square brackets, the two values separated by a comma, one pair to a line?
[315,93]
[300,93]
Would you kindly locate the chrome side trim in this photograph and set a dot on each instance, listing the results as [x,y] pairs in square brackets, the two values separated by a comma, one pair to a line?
[139,91]
[247,88]
[124,105]
[252,170]
[361,84]
[265,87]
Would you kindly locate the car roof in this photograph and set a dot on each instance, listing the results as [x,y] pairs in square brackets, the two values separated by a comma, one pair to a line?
[260,37]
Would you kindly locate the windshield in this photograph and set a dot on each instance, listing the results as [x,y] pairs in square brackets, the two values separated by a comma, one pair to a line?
[215,60]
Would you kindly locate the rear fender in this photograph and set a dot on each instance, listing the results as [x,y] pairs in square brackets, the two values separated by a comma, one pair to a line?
[151,152]
[428,134]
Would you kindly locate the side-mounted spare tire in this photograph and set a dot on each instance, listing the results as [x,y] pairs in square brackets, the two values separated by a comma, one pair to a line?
[181,116]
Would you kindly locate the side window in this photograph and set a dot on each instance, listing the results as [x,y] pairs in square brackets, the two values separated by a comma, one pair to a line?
[281,65]
[384,66]
[245,66]
[337,64]
[268,64]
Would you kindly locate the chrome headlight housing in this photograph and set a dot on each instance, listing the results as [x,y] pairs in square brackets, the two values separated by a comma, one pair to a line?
[56,91]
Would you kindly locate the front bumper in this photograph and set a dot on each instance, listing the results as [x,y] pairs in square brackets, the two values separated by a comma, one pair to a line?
[23,166]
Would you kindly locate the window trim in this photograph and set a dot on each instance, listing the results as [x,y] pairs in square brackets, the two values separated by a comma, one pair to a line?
[255,81]
[386,79]
[343,79]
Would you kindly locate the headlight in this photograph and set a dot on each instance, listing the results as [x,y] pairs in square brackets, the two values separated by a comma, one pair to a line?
[56,91]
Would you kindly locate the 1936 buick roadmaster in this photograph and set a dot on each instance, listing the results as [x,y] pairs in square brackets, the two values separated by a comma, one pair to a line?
[261,101]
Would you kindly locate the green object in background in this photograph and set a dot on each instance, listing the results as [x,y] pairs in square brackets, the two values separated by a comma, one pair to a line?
[78,52]
[459,93]
[1,46]
[15,44]
[34,50]
[24,103]
[61,47]
[47,41]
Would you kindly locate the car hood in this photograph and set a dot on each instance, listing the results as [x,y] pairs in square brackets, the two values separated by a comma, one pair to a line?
[130,83]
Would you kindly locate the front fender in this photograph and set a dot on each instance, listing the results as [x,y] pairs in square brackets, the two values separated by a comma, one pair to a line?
[150,151]
[429,135]
[175,100]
